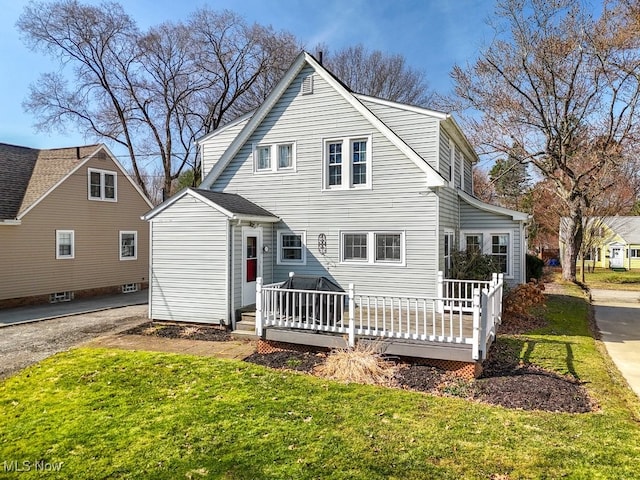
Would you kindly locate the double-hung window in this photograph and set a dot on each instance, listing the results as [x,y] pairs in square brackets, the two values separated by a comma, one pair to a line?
[65,244]
[347,163]
[102,185]
[291,248]
[274,157]
[372,247]
[495,244]
[128,245]
[634,253]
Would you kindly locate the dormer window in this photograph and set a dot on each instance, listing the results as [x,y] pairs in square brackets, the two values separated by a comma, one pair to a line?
[102,185]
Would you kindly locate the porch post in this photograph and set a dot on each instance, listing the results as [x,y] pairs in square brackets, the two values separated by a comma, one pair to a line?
[484,322]
[259,306]
[475,351]
[352,321]
[440,291]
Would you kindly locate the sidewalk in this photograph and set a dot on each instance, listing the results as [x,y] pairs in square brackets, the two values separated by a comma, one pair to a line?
[36,313]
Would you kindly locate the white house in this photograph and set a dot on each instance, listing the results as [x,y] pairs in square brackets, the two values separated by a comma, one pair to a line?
[323,181]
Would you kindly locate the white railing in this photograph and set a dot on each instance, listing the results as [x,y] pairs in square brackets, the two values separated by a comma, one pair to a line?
[468,318]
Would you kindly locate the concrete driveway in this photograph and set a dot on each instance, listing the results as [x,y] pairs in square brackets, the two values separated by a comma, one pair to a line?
[618,318]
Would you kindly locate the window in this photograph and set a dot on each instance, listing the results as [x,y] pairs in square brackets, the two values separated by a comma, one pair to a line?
[65,248]
[354,247]
[291,248]
[285,156]
[102,185]
[359,162]
[448,251]
[128,245]
[264,158]
[495,244]
[335,164]
[474,243]
[274,158]
[388,247]
[634,253]
[500,251]
[347,163]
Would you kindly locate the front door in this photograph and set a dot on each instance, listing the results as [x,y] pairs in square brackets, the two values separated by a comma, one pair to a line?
[251,264]
[617,260]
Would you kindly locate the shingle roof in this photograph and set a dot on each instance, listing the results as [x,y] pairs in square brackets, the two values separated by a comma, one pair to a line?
[627,227]
[28,173]
[235,203]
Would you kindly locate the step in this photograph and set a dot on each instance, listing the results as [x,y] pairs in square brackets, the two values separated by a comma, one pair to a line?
[244,334]
[246,325]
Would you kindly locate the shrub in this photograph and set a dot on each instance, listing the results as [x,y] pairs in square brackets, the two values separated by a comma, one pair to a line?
[361,364]
[520,300]
[535,267]
[470,265]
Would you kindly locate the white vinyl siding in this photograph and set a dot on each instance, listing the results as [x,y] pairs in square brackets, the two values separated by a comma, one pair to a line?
[190,263]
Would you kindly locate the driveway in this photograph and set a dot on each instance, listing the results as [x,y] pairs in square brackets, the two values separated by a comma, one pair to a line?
[618,318]
[24,344]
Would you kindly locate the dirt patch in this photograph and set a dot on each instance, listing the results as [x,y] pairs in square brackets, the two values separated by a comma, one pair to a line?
[190,332]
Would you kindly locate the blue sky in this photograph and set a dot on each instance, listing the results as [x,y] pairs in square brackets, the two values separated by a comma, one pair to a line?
[433,35]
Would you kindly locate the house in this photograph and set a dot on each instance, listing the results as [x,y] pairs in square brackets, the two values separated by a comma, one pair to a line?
[323,181]
[69,225]
[613,242]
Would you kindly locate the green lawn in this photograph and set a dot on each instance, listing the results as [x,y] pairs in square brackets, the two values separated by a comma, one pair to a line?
[118,414]
[608,279]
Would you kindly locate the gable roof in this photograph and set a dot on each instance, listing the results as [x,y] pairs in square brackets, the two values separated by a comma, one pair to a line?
[434,179]
[230,204]
[627,227]
[28,175]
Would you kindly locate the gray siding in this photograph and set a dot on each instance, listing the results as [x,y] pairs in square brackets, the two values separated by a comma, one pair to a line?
[468,176]
[419,131]
[459,165]
[472,219]
[189,266]
[212,150]
[397,202]
[449,218]
[445,156]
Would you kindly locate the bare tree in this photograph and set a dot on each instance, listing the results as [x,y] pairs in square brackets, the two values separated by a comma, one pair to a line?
[152,92]
[482,186]
[563,88]
[379,75]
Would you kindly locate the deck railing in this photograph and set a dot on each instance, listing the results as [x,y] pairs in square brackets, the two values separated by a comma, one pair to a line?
[468,317]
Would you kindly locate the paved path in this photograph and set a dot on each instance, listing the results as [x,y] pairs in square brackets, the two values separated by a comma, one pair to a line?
[35,313]
[618,318]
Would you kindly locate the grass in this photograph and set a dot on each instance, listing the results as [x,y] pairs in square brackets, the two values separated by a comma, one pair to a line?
[612,280]
[119,414]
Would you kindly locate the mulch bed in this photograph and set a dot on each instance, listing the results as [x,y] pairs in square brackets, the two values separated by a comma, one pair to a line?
[505,381]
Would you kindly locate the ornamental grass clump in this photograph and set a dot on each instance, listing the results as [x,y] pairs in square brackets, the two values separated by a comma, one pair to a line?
[361,364]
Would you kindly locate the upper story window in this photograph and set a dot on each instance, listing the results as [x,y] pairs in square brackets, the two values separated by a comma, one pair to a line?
[65,244]
[347,163]
[128,245]
[102,185]
[274,158]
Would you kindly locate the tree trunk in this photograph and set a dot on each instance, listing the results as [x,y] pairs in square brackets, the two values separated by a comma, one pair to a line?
[573,240]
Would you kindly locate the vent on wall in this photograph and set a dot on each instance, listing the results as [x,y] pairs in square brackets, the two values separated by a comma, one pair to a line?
[307,85]
[60,297]
[129,287]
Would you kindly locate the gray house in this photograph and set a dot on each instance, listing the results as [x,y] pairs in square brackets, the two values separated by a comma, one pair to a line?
[323,181]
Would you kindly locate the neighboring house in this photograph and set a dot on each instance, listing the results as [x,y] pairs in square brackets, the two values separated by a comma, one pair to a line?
[69,225]
[613,242]
[322,181]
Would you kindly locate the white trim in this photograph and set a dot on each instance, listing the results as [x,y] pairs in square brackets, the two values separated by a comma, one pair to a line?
[403,106]
[135,244]
[226,126]
[73,245]
[303,241]
[103,185]
[487,245]
[474,202]
[274,158]
[434,179]
[10,222]
[347,162]
[372,248]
